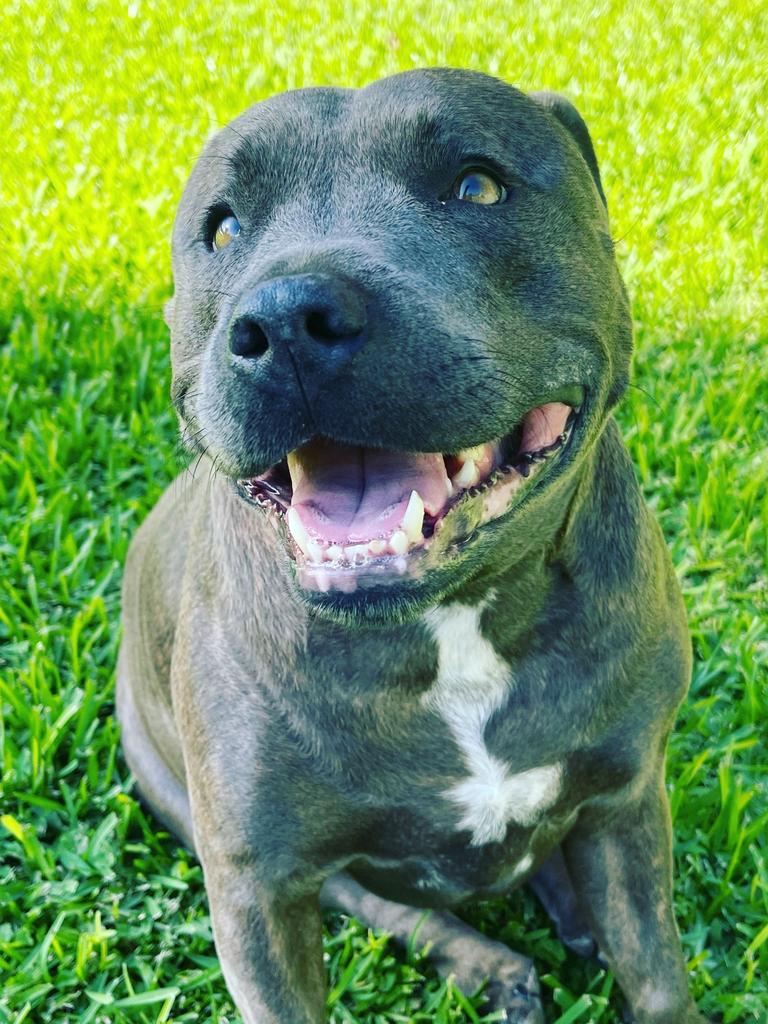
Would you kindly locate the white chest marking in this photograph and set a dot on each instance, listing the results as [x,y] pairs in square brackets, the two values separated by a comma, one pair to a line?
[473,682]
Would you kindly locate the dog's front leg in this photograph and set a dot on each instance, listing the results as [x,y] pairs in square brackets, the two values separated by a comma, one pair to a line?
[264,903]
[269,945]
[620,863]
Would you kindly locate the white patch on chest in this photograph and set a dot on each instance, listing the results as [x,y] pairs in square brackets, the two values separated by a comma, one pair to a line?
[472,683]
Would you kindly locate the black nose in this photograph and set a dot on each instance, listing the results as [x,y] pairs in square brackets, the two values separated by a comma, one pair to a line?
[305,308]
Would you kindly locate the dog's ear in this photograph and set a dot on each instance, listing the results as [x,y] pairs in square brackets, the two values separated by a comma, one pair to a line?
[571,119]
[168,311]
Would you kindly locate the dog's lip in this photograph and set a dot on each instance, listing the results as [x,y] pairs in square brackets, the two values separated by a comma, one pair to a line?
[422,534]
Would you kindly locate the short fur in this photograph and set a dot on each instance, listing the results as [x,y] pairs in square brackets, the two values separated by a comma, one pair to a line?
[332,746]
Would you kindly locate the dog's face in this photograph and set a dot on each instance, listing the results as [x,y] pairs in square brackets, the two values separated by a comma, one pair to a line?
[398,326]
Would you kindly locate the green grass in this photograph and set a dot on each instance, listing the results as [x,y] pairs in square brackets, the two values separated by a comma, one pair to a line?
[104,107]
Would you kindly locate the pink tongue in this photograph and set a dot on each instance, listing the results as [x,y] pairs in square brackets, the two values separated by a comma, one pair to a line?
[346,494]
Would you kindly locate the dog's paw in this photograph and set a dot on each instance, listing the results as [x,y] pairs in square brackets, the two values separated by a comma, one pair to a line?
[519,1000]
[690,1015]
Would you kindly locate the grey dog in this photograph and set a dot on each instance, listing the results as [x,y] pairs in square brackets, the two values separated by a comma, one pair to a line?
[411,636]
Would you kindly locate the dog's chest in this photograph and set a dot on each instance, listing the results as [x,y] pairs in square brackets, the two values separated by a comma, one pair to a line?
[473,683]
[440,790]
[480,827]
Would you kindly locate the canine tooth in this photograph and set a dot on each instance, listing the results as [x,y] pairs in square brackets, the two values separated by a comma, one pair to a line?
[298,530]
[413,520]
[472,454]
[377,547]
[334,552]
[295,470]
[398,542]
[467,476]
[401,565]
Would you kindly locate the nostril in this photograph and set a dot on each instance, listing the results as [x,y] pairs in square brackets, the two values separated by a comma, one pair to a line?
[331,325]
[247,338]
[312,310]
[318,327]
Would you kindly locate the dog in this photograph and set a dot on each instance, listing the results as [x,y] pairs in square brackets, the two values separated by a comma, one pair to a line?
[410,637]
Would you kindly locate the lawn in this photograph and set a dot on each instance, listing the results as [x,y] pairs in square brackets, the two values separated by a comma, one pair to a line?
[105,106]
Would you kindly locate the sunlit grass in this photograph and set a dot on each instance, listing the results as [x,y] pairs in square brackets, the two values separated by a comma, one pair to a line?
[105,105]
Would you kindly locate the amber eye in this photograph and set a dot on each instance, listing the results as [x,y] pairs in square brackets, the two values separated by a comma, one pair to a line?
[479,187]
[227,230]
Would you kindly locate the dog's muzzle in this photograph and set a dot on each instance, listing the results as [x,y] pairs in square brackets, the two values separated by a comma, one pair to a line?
[358,515]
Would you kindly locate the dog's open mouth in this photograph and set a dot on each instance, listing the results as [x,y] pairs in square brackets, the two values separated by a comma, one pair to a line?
[359,514]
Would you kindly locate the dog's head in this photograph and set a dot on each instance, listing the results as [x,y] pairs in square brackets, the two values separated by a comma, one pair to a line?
[398,325]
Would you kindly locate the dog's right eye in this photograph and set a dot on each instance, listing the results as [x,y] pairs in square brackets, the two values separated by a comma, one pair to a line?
[478,186]
[226,231]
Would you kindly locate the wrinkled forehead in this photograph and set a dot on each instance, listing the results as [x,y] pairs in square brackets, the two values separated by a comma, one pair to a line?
[413,120]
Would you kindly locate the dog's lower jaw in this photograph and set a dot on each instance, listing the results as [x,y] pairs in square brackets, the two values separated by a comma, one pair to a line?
[445,572]
[502,557]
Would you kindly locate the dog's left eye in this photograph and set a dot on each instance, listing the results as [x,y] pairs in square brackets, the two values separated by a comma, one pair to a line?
[227,230]
[479,187]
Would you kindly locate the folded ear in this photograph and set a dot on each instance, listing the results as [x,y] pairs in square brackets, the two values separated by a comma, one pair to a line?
[570,118]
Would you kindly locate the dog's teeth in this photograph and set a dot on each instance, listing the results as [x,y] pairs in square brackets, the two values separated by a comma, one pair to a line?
[468,476]
[475,454]
[315,552]
[398,542]
[377,547]
[298,531]
[346,583]
[334,553]
[295,469]
[323,581]
[413,520]
[355,551]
